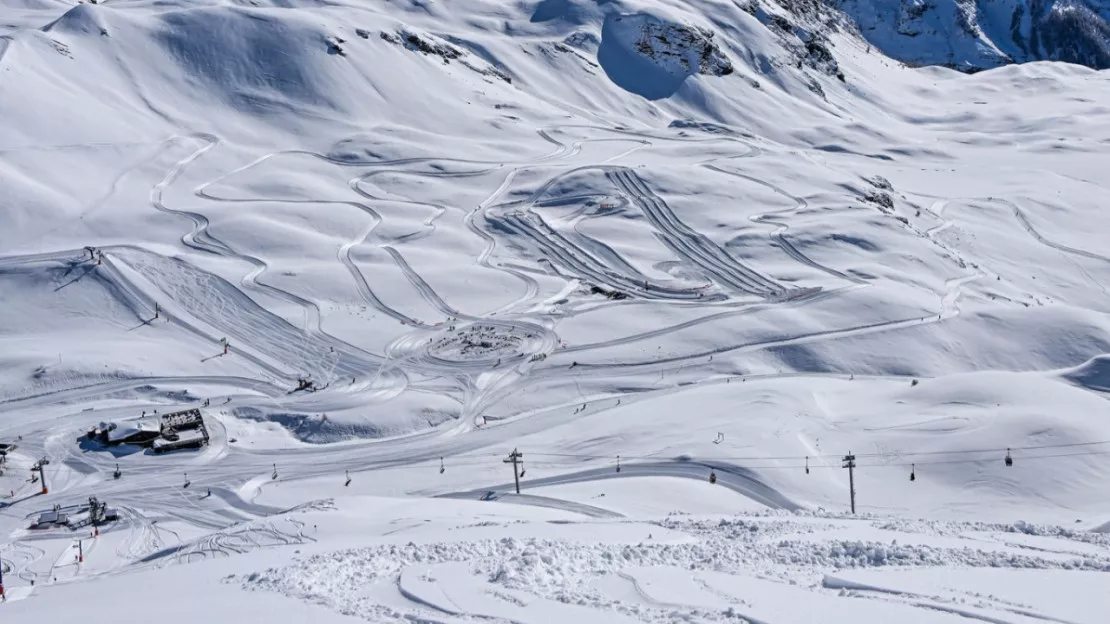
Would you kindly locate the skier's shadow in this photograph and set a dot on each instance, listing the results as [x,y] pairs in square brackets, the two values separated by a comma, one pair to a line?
[143,324]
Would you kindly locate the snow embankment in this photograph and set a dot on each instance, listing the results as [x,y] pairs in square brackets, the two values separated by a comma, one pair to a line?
[1093,374]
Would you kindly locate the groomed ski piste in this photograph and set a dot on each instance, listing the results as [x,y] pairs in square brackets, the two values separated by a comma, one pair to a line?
[680,269]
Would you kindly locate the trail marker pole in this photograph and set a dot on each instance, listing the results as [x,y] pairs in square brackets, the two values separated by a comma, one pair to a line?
[2,598]
[513,458]
[850,464]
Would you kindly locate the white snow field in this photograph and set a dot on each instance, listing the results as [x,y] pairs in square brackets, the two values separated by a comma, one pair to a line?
[682,238]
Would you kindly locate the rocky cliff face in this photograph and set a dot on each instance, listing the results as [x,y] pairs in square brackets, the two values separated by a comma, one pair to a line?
[679,49]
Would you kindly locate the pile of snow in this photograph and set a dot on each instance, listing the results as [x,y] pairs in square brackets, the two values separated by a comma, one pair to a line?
[526,575]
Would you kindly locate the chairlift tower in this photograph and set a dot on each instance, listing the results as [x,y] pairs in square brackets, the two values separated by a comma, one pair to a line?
[40,467]
[850,463]
[513,458]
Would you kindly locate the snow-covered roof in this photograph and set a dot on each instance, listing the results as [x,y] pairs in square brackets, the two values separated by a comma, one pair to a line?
[183,437]
[126,430]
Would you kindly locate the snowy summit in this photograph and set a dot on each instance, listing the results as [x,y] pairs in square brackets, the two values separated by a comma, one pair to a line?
[603,311]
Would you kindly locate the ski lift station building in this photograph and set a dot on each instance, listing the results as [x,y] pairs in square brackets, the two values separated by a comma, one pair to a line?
[51,518]
[177,430]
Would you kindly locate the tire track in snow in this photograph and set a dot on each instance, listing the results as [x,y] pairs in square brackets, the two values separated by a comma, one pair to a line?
[730,476]
[747,308]
[810,337]
[778,237]
[199,238]
[527,223]
[218,303]
[1024,221]
[688,244]
[531,286]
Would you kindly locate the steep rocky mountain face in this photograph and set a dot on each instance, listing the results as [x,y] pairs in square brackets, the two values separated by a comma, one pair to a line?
[971,35]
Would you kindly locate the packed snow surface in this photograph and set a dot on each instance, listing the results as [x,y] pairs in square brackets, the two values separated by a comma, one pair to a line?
[683,256]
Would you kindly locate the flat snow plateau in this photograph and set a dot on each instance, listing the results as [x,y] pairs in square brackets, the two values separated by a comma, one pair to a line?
[643,242]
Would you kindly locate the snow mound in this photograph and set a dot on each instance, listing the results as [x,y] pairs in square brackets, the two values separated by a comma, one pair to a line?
[82,18]
[254,60]
[389,420]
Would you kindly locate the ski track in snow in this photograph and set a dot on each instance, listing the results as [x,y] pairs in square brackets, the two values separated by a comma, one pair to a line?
[489,302]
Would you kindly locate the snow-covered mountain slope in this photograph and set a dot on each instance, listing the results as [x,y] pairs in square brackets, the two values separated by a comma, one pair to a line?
[381,245]
[978,34]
